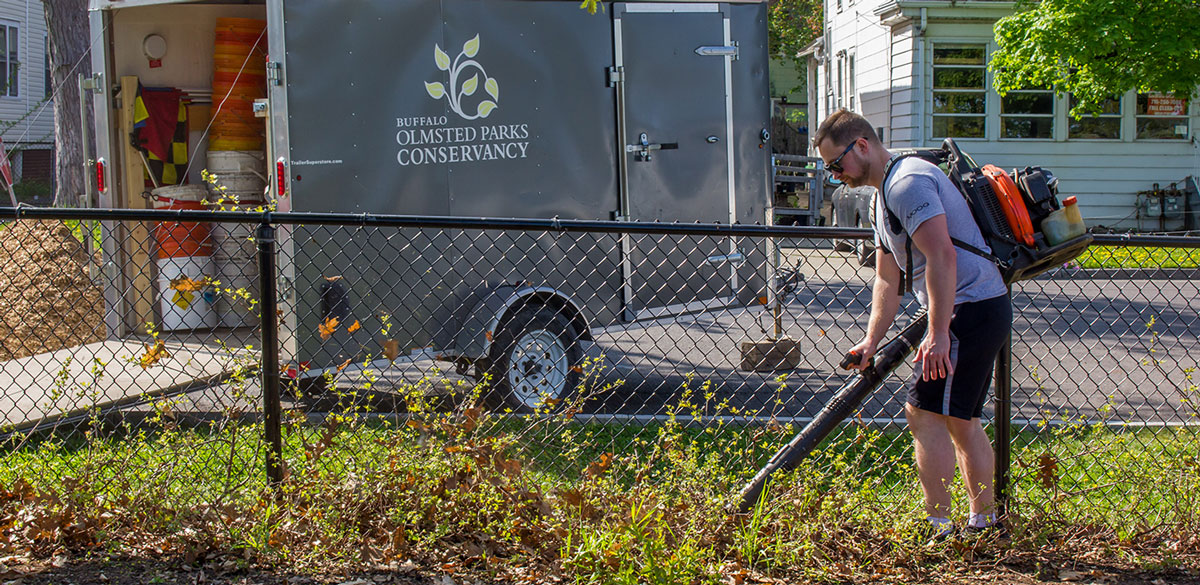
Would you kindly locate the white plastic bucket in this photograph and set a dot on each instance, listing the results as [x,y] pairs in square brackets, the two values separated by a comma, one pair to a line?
[236,161]
[238,277]
[180,307]
[245,185]
[234,240]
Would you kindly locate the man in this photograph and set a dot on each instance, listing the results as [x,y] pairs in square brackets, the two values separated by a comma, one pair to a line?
[970,314]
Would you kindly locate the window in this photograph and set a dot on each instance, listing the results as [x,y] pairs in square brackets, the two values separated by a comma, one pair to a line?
[49,81]
[8,60]
[841,81]
[959,91]
[850,76]
[1027,113]
[1161,117]
[1105,125]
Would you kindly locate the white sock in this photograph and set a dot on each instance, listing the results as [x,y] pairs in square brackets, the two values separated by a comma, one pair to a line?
[981,520]
[941,525]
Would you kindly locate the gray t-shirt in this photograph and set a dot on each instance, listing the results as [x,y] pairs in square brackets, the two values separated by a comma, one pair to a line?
[916,192]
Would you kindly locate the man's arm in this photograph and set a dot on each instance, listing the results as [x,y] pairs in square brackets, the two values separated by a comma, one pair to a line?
[932,238]
[885,302]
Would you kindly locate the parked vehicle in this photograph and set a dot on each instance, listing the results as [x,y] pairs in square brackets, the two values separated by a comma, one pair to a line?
[852,208]
[510,108]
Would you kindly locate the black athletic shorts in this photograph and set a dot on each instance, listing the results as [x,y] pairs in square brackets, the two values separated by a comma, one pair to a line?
[977,332]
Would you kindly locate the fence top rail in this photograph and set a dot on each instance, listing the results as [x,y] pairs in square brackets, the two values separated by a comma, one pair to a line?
[508,224]
[434,221]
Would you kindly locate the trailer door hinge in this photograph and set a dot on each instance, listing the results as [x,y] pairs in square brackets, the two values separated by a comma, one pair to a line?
[275,72]
[93,83]
[616,75]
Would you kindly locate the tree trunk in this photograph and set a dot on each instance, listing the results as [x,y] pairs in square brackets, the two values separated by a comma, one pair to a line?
[67,25]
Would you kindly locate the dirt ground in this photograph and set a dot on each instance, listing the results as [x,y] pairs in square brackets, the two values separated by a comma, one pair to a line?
[48,300]
[1014,568]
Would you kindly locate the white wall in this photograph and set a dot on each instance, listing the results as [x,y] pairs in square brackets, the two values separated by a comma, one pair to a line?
[894,77]
[37,129]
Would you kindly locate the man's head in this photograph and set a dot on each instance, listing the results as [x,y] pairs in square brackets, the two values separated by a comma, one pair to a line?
[849,146]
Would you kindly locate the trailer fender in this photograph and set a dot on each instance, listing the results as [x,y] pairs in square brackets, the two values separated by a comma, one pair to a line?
[474,340]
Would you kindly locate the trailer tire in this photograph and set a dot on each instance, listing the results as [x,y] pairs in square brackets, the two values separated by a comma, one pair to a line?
[534,361]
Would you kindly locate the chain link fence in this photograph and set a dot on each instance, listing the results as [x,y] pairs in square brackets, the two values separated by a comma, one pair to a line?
[576,342]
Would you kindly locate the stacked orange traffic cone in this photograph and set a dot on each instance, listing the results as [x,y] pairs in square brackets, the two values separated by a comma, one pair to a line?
[239,77]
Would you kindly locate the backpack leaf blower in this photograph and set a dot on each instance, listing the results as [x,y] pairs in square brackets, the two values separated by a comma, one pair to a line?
[848,398]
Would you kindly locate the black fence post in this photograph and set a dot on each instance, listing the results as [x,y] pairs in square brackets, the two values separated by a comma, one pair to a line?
[272,411]
[1003,423]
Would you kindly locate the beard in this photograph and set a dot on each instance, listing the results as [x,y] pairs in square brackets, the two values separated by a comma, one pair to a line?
[853,181]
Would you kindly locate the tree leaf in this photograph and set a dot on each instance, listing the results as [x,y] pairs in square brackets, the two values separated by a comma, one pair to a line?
[355,326]
[471,47]
[486,107]
[471,85]
[491,88]
[442,59]
[436,90]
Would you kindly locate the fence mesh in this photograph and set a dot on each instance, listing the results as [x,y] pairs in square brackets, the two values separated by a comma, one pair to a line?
[565,349]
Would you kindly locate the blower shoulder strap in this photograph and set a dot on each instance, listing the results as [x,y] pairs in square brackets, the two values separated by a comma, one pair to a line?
[897,227]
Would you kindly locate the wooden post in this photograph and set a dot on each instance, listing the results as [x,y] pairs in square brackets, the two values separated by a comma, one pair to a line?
[139,245]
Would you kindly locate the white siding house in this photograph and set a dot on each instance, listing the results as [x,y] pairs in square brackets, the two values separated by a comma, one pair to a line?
[26,114]
[918,70]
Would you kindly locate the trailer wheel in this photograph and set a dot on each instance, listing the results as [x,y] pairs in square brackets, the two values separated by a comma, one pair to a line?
[535,357]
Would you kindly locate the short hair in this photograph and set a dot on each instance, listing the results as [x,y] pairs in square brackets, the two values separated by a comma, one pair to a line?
[843,127]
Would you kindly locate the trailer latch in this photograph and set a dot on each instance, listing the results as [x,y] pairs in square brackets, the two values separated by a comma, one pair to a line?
[644,146]
[718,51]
[737,258]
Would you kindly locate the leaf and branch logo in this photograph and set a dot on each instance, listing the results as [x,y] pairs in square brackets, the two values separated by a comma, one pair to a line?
[462,65]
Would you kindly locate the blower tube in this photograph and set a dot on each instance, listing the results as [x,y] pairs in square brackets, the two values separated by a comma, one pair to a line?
[841,406]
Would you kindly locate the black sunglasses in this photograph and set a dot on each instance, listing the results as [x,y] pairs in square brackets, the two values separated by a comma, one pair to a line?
[836,164]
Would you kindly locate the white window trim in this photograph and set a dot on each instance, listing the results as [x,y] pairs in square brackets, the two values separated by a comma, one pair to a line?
[1132,96]
[1055,107]
[1064,117]
[991,103]
[15,26]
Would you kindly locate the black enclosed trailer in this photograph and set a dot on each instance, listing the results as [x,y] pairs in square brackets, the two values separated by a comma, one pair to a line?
[644,111]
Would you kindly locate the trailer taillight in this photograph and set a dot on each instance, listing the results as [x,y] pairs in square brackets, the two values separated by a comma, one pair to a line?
[280,177]
[100,163]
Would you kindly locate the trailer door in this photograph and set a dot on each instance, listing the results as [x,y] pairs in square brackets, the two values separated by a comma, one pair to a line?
[674,114]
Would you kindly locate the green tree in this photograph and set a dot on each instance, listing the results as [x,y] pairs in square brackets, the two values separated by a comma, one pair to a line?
[1097,49]
[792,25]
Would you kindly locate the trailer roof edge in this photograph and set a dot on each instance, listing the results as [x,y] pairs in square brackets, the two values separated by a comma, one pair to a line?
[111,4]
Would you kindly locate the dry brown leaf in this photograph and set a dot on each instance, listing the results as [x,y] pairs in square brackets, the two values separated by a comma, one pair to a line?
[153,354]
[391,349]
[333,278]
[328,327]
[185,284]
[1047,471]
[343,365]
[353,327]
[598,467]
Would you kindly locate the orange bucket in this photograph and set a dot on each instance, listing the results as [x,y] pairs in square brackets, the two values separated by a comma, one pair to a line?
[178,239]
[222,143]
[236,22]
[227,78]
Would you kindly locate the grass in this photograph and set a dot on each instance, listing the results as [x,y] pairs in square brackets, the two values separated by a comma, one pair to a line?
[1139,257]
[597,503]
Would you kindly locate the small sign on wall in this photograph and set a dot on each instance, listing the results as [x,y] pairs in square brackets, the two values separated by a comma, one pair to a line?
[1165,105]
